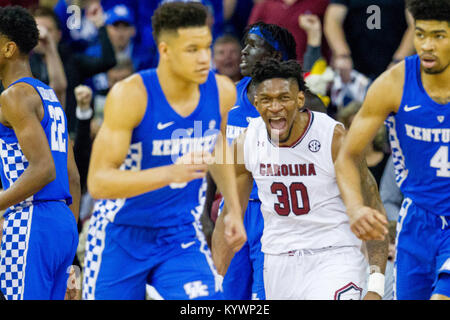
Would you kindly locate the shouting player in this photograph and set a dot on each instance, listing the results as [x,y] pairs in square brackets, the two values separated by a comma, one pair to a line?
[309,249]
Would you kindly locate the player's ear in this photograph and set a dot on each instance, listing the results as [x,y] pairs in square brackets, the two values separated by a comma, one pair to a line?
[163,49]
[9,49]
[300,99]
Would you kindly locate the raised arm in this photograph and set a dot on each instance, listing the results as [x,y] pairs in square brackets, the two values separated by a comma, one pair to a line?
[105,179]
[21,109]
[222,253]
[377,250]
[384,97]
[222,170]
[335,35]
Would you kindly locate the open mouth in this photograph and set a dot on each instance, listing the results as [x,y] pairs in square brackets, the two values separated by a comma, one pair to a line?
[428,62]
[278,125]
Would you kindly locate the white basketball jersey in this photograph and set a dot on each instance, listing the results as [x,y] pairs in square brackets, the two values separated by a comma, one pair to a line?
[301,202]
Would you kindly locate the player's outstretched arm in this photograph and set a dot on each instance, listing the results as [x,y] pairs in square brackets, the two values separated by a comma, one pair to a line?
[124,109]
[383,97]
[222,252]
[20,105]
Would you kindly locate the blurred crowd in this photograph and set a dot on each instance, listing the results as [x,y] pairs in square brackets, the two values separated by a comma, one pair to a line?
[86,46]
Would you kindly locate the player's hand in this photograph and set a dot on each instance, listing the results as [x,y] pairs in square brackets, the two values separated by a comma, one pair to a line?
[191,166]
[371,296]
[367,223]
[235,235]
[83,95]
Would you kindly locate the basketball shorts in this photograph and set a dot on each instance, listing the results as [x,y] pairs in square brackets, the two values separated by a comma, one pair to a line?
[422,262]
[244,279]
[39,243]
[334,273]
[120,261]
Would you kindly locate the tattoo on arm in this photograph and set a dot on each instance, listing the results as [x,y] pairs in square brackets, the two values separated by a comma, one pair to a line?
[378,250]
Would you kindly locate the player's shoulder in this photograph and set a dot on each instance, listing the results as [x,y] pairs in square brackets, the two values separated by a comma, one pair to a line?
[127,99]
[19,96]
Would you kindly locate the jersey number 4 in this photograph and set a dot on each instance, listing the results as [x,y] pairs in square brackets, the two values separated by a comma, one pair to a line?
[58,128]
[288,198]
[440,161]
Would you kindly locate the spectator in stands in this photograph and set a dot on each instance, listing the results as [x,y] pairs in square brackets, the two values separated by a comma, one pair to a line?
[78,67]
[368,35]
[236,14]
[51,70]
[227,57]
[286,14]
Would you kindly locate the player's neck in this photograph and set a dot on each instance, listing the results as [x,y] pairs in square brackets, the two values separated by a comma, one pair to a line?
[14,71]
[438,82]
[174,87]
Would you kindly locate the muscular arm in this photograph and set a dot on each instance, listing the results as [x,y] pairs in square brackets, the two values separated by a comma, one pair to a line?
[377,250]
[105,179]
[22,109]
[223,170]
[384,97]
[221,252]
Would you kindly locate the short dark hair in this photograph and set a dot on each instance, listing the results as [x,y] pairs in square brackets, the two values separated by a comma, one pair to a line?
[18,25]
[429,9]
[280,34]
[47,13]
[174,15]
[272,68]
[227,38]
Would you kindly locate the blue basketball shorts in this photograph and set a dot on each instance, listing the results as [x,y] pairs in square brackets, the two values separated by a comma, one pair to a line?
[39,243]
[121,261]
[244,279]
[422,262]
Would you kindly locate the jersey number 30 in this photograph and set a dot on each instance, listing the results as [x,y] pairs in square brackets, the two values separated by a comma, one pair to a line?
[440,161]
[58,143]
[288,198]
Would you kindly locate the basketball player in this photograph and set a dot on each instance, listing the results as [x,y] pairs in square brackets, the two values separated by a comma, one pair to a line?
[244,277]
[414,96]
[148,232]
[309,249]
[38,172]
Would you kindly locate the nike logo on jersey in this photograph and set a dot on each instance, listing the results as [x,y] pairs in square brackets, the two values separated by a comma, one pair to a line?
[235,107]
[408,109]
[162,126]
[187,245]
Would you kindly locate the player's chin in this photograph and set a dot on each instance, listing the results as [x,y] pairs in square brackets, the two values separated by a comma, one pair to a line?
[200,76]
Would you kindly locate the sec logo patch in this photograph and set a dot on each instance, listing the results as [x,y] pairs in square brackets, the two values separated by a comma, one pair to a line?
[314,145]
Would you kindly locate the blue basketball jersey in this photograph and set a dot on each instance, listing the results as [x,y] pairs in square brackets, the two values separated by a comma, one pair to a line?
[419,134]
[14,162]
[162,137]
[240,116]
